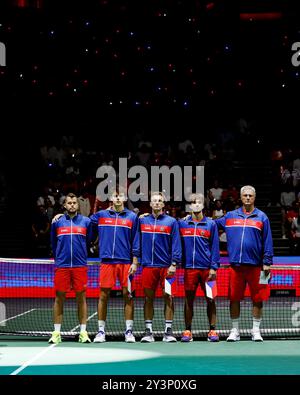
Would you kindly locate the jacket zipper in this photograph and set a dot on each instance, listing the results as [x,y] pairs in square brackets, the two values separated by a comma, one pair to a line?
[242,240]
[153,237]
[194,249]
[115,231]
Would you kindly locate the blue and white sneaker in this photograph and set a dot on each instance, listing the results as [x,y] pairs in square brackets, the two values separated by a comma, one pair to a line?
[234,336]
[100,337]
[256,336]
[148,337]
[129,338]
[169,337]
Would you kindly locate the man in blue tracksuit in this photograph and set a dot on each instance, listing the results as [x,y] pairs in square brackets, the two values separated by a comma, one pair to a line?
[70,236]
[119,251]
[201,259]
[161,251]
[250,250]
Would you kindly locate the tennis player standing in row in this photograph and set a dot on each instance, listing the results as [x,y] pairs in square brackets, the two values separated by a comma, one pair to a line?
[250,250]
[70,236]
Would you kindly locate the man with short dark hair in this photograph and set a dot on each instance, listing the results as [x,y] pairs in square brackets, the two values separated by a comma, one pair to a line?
[70,235]
[201,259]
[119,252]
[161,252]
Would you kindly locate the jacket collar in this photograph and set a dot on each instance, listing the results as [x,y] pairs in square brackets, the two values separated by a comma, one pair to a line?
[112,211]
[190,220]
[242,213]
[160,215]
[68,217]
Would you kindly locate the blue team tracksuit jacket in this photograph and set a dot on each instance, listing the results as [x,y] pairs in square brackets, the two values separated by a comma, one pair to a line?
[200,243]
[249,237]
[118,235]
[69,239]
[160,241]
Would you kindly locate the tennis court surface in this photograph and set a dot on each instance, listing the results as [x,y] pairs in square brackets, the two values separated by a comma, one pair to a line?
[26,300]
[117,358]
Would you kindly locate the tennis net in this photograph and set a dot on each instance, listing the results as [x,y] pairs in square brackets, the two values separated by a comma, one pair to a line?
[27,297]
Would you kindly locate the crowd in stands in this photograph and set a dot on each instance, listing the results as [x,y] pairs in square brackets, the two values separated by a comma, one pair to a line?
[68,166]
[286,192]
[198,59]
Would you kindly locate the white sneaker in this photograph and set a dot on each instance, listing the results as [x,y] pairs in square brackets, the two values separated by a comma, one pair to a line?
[100,337]
[168,336]
[129,338]
[148,337]
[256,336]
[234,335]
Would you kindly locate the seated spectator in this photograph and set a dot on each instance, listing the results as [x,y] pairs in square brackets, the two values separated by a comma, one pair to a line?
[231,191]
[58,206]
[184,144]
[143,140]
[291,214]
[49,206]
[296,161]
[84,204]
[296,234]
[229,204]
[47,194]
[290,175]
[210,151]
[287,197]
[218,210]
[216,190]
[72,167]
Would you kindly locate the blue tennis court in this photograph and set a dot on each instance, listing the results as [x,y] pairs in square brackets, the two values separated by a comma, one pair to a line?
[27,322]
[117,358]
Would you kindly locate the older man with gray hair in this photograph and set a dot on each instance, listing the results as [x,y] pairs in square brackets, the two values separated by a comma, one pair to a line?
[250,250]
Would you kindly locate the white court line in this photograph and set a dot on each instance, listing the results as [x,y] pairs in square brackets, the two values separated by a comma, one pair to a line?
[91,316]
[16,316]
[30,361]
[37,356]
